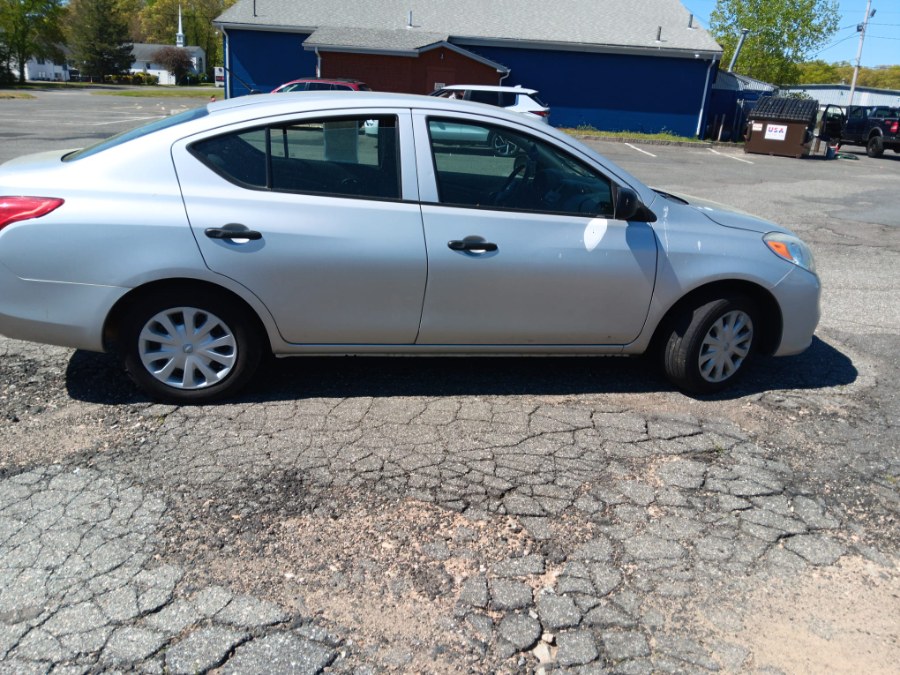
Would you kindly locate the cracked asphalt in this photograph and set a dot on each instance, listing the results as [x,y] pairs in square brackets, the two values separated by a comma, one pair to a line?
[472,515]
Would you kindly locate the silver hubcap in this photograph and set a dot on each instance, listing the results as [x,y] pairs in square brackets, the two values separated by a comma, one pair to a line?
[725,346]
[187,348]
[503,147]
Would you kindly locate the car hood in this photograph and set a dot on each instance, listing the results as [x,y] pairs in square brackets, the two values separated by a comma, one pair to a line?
[728,216]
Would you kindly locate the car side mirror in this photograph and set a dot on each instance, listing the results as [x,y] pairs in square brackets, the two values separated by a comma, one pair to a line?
[630,207]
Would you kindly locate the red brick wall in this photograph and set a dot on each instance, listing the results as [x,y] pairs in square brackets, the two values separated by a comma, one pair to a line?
[407,74]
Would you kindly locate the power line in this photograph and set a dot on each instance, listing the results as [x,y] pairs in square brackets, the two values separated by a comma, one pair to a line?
[834,44]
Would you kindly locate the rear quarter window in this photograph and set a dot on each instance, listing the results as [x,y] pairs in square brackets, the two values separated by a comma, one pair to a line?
[132,134]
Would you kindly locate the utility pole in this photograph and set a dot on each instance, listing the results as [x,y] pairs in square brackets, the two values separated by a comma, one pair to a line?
[862,36]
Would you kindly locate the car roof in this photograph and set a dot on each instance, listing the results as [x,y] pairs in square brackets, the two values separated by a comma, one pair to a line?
[329,100]
[332,80]
[487,87]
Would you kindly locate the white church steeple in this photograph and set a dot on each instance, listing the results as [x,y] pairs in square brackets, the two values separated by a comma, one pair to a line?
[179,36]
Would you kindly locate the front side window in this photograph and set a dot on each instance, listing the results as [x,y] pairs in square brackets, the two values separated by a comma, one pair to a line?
[348,156]
[485,166]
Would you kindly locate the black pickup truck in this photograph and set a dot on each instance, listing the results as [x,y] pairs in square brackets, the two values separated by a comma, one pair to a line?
[875,127]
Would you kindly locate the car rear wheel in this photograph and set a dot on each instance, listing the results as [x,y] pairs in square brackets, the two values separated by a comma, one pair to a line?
[875,147]
[189,346]
[709,345]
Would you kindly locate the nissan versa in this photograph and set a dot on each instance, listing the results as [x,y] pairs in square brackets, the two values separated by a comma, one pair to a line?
[196,244]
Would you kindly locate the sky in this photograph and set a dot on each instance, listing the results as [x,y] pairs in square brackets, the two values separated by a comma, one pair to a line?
[882,42]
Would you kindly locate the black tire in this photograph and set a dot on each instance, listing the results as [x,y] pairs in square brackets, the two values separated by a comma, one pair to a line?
[215,362]
[875,146]
[690,359]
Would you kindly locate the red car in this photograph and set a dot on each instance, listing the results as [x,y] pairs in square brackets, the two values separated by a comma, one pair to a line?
[322,84]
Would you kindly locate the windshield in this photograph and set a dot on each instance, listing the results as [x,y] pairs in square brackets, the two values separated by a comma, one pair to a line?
[131,134]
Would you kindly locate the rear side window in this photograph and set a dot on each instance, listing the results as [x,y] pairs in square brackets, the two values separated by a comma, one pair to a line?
[489,97]
[348,156]
[503,99]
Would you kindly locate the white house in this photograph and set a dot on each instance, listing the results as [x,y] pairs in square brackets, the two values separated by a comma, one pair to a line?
[45,70]
[143,61]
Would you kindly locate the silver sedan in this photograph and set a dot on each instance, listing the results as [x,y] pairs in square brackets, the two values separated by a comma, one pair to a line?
[197,244]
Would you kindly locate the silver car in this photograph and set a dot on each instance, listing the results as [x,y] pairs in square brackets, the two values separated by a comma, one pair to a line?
[197,244]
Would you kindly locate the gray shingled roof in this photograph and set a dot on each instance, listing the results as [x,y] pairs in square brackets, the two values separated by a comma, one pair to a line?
[581,24]
[397,40]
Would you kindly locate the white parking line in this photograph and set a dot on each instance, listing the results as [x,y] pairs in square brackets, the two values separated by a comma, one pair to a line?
[736,159]
[639,150]
[127,119]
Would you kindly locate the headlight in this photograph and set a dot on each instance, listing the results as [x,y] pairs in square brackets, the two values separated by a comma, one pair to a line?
[791,249]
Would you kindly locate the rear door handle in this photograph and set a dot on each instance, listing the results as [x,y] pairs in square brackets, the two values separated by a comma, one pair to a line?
[472,244]
[232,231]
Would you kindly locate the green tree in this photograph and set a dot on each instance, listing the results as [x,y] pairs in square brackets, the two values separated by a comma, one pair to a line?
[818,72]
[30,28]
[783,33]
[6,76]
[131,11]
[99,37]
[881,78]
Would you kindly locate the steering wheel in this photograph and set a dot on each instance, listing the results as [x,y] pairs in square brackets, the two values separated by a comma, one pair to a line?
[500,195]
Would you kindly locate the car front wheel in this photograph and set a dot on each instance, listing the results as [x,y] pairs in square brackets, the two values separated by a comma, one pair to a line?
[710,345]
[189,346]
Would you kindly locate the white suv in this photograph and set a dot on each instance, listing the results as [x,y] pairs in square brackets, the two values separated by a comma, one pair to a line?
[517,99]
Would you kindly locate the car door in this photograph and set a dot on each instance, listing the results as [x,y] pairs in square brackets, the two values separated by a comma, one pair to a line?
[316,219]
[855,125]
[832,123]
[523,248]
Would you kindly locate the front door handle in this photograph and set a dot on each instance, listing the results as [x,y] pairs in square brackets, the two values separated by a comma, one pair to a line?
[472,244]
[232,231]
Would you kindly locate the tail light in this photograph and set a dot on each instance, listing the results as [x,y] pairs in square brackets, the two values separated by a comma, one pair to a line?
[540,113]
[895,127]
[13,209]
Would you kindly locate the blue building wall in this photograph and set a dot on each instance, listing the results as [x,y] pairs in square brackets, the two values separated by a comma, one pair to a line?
[263,60]
[610,92]
[728,110]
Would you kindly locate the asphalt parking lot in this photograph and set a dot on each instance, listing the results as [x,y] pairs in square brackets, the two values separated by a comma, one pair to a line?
[473,515]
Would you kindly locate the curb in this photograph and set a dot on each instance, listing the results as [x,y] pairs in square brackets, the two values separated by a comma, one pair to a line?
[654,141]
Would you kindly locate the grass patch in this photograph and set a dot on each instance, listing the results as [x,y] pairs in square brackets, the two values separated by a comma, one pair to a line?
[101,89]
[632,135]
[11,93]
[180,92]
